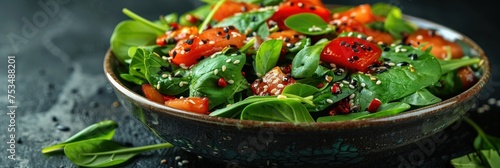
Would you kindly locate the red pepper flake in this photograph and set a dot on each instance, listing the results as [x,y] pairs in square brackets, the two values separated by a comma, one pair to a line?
[320,85]
[374,105]
[191,18]
[222,82]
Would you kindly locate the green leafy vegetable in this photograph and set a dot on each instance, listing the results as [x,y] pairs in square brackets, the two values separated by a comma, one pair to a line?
[104,153]
[306,61]
[396,25]
[421,97]
[199,13]
[399,81]
[128,34]
[302,90]
[281,110]
[206,73]
[309,24]
[453,64]
[101,130]
[383,111]
[156,27]
[382,9]
[267,56]
[247,22]
[234,110]
[487,150]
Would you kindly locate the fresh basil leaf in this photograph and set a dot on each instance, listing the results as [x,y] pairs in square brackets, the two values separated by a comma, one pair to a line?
[309,24]
[306,61]
[101,130]
[298,89]
[207,72]
[247,22]
[342,117]
[267,56]
[396,25]
[281,110]
[128,34]
[104,153]
[421,97]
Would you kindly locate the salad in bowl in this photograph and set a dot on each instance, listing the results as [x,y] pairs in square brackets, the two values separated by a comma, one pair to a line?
[295,82]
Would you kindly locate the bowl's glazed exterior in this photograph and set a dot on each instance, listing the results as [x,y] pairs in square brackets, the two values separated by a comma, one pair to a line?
[275,144]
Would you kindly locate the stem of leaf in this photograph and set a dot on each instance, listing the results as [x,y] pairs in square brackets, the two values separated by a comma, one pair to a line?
[480,132]
[133,149]
[143,20]
[248,45]
[203,25]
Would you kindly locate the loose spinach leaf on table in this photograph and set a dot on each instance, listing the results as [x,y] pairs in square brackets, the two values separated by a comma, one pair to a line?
[248,22]
[267,56]
[487,150]
[101,130]
[206,73]
[104,153]
[281,110]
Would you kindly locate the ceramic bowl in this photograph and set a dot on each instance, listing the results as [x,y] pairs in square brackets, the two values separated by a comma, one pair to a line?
[257,143]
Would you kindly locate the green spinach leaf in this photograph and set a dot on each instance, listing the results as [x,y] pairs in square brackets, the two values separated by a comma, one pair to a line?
[387,110]
[396,25]
[281,110]
[343,117]
[104,153]
[128,34]
[309,24]
[399,81]
[101,130]
[306,61]
[421,97]
[206,73]
[267,56]
[199,13]
[247,22]
[234,110]
[454,64]
[325,98]
[302,90]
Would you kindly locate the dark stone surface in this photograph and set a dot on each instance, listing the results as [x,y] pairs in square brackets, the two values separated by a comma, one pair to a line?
[61,88]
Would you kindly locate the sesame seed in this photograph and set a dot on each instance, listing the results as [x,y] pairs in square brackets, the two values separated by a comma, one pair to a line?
[281,97]
[185,161]
[363,84]
[352,96]
[281,86]
[216,71]
[349,34]
[230,81]
[178,158]
[200,43]
[236,62]
[211,42]
[164,75]
[164,58]
[224,68]
[341,85]
[228,60]
[372,78]
[344,81]
[177,73]
[352,86]
[182,83]
[391,64]
[183,66]
[369,38]
[329,101]
[420,37]
[191,101]
[273,90]
[492,101]
[360,36]
[378,82]
[404,50]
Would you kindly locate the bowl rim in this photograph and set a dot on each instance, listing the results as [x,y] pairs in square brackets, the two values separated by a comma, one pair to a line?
[405,116]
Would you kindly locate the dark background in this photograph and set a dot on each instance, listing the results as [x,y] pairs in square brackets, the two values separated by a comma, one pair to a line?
[61,88]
